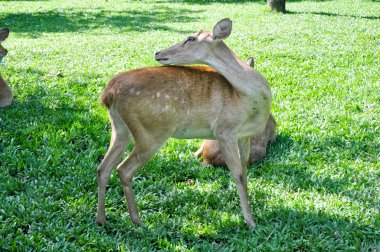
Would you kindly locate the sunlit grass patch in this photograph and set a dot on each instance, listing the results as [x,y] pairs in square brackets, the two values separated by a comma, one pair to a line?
[317,189]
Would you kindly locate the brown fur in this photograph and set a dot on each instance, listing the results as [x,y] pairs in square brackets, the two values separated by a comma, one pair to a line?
[170,93]
[6,95]
[211,154]
[165,79]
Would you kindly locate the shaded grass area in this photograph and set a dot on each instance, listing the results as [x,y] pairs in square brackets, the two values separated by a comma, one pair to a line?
[317,190]
[72,20]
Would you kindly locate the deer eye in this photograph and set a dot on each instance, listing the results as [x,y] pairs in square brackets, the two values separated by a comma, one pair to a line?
[191,39]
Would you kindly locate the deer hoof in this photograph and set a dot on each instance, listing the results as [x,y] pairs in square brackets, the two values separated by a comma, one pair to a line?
[101,220]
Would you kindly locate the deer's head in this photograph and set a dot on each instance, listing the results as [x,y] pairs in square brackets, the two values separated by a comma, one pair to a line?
[195,48]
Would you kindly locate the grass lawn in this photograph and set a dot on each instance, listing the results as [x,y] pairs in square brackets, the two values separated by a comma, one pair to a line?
[317,190]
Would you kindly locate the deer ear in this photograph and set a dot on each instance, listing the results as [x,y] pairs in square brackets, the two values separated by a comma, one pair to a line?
[4,34]
[222,29]
[250,62]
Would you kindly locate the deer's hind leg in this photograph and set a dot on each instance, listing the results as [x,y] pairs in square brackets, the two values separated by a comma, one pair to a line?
[120,138]
[146,145]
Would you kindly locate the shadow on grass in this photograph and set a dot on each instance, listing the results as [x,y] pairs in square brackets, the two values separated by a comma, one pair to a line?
[315,169]
[328,14]
[73,20]
[23,0]
[279,226]
[47,124]
[207,2]
[307,168]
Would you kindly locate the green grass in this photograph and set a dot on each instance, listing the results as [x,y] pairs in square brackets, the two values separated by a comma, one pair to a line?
[317,190]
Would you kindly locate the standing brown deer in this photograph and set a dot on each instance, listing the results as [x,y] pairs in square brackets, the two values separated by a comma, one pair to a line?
[154,103]
[6,95]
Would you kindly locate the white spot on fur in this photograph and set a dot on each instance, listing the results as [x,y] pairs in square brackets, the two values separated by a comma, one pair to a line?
[138,93]
[158,94]
[166,108]
[167,96]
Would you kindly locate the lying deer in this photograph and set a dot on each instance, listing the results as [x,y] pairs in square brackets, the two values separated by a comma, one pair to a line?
[211,153]
[210,149]
[6,95]
[152,104]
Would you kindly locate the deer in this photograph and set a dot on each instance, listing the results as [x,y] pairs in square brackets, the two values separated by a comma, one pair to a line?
[210,149]
[226,100]
[6,95]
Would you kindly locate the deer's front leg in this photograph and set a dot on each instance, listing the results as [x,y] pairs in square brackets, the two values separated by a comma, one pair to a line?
[230,151]
[244,151]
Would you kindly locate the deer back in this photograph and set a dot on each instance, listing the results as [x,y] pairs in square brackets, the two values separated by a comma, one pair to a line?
[188,101]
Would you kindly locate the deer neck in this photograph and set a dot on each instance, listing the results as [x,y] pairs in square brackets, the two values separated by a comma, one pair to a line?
[236,71]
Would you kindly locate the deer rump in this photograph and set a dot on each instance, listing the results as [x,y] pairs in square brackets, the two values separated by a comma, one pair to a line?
[182,102]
